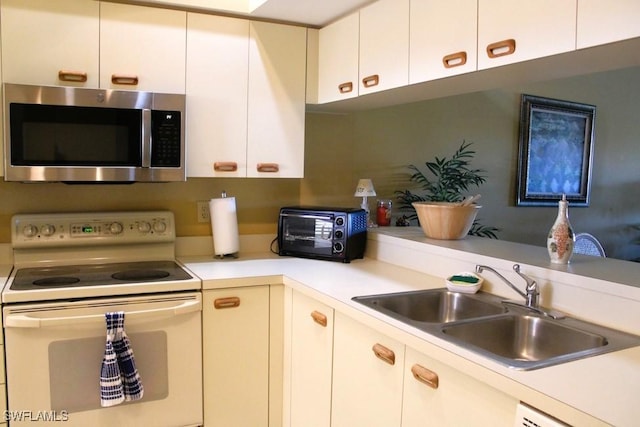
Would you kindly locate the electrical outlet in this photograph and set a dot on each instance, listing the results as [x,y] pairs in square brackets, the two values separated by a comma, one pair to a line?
[203,211]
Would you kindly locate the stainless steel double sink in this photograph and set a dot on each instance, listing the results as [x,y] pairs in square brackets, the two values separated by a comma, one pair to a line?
[515,336]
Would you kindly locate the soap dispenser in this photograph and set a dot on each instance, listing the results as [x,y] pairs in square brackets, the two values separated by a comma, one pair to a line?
[561,238]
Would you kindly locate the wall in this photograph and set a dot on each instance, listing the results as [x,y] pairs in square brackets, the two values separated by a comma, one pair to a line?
[380,143]
[327,167]
[388,139]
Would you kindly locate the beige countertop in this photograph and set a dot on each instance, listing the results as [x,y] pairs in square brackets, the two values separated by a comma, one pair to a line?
[605,386]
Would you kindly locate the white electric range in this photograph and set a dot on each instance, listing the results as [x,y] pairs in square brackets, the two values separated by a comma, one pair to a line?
[69,271]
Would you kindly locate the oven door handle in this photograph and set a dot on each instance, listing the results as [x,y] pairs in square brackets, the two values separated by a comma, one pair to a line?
[26,321]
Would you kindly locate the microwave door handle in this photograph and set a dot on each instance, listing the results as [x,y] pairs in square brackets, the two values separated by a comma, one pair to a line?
[26,321]
[146,138]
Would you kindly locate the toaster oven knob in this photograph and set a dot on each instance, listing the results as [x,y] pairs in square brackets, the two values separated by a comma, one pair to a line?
[115,228]
[340,221]
[48,230]
[30,230]
[339,234]
[338,247]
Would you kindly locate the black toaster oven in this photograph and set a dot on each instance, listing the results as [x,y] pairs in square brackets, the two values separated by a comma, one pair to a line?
[336,234]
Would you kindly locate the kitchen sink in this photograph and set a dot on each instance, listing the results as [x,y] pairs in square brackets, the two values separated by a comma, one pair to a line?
[434,306]
[511,334]
[526,340]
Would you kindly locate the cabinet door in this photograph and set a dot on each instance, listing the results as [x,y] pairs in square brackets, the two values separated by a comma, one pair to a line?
[48,42]
[384,46]
[338,59]
[518,30]
[311,362]
[438,395]
[217,72]
[277,84]
[443,38]
[236,356]
[142,48]
[367,390]
[606,21]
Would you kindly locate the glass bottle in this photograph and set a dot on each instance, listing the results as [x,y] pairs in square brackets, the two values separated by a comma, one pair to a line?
[561,237]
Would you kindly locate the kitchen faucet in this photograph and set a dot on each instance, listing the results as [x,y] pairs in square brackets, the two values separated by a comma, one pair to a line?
[532,292]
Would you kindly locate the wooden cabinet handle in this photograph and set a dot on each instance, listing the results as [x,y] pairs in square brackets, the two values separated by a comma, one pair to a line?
[72,76]
[501,48]
[371,81]
[455,59]
[345,87]
[268,167]
[425,376]
[122,79]
[229,302]
[319,318]
[385,354]
[225,166]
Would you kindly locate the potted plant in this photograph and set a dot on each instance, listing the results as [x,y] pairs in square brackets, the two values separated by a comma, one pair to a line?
[441,209]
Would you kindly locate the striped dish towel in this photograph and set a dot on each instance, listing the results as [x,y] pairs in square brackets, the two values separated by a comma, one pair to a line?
[119,378]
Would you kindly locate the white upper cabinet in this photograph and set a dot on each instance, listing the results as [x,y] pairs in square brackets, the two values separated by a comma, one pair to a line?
[606,21]
[277,95]
[384,46]
[338,59]
[246,85]
[217,84]
[518,30]
[443,38]
[48,42]
[142,48]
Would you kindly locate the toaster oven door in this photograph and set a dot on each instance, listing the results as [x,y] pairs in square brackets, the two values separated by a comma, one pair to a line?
[307,234]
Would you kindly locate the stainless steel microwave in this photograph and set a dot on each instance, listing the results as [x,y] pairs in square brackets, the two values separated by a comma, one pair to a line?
[80,135]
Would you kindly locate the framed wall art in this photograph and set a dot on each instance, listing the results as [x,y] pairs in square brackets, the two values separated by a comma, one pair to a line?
[555,152]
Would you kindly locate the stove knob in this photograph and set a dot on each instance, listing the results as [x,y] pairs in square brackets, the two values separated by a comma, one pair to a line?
[159,227]
[30,230]
[144,227]
[48,229]
[115,228]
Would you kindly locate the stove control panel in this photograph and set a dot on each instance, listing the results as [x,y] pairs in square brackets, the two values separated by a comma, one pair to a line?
[102,228]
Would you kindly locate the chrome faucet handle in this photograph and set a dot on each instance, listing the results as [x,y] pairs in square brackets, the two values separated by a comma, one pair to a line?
[532,293]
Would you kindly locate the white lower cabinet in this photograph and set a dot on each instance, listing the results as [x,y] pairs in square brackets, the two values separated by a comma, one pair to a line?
[367,376]
[311,362]
[236,356]
[438,395]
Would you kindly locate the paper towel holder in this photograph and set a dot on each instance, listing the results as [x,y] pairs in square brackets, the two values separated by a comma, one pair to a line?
[224,227]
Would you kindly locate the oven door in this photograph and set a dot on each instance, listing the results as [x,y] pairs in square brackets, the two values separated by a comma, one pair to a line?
[54,353]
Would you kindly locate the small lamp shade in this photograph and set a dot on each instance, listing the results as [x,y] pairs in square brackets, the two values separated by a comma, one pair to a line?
[365,188]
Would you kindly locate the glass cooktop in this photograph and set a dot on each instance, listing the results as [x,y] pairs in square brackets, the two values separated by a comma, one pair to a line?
[100,274]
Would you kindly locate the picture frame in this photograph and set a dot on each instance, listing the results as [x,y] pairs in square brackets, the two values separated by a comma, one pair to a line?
[555,151]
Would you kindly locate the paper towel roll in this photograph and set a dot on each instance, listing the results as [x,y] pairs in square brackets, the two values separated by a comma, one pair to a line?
[224,224]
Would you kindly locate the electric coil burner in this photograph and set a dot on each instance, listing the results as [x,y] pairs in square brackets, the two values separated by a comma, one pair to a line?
[78,255]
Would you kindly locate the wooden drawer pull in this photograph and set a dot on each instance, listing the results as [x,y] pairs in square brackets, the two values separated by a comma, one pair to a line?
[384,354]
[319,318]
[345,87]
[72,76]
[225,166]
[371,81]
[230,302]
[121,79]
[268,167]
[455,60]
[425,376]
[501,48]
